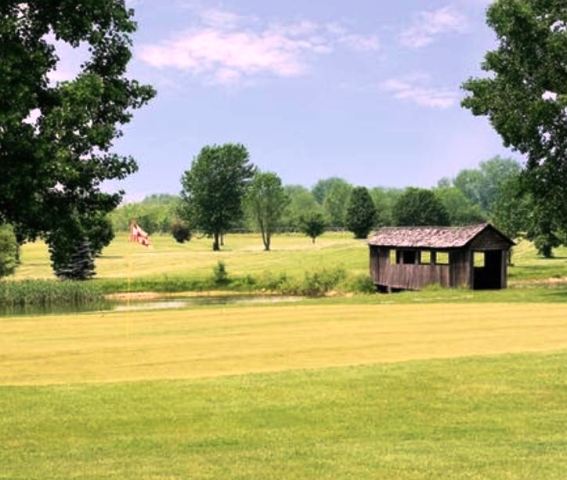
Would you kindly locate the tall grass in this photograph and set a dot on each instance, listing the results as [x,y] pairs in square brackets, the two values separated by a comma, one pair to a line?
[43,293]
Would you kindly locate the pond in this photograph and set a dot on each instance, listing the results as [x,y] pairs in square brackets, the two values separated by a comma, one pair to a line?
[169,303]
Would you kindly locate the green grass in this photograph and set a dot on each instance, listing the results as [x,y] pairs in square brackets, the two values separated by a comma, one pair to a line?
[170,267]
[476,418]
[315,390]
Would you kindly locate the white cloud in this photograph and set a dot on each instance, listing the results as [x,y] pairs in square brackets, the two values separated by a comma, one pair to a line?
[225,48]
[427,25]
[415,90]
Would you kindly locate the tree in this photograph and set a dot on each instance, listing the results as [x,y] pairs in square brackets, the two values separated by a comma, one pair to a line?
[321,189]
[525,94]
[80,265]
[513,209]
[100,233]
[181,231]
[8,251]
[214,187]
[482,185]
[460,209]
[361,213]
[384,200]
[301,200]
[56,138]
[266,200]
[419,207]
[336,202]
[313,224]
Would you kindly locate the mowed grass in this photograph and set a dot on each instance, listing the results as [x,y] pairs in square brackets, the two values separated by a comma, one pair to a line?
[476,417]
[208,342]
[293,254]
[242,253]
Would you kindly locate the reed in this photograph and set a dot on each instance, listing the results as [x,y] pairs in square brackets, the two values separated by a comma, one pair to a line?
[48,292]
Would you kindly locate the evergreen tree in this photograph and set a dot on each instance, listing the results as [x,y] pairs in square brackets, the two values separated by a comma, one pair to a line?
[361,213]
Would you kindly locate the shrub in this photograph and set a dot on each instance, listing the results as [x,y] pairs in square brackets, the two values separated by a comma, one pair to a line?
[181,232]
[220,275]
[360,284]
[8,251]
[316,284]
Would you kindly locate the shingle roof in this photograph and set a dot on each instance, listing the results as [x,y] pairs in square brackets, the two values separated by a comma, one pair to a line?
[427,237]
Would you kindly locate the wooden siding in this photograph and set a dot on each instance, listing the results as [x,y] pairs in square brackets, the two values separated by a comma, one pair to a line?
[460,268]
[413,277]
[489,239]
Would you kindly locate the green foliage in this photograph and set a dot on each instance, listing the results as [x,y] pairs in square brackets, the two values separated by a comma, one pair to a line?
[8,251]
[220,274]
[100,233]
[385,200]
[266,201]
[360,284]
[181,231]
[513,209]
[47,293]
[318,283]
[361,213]
[336,202]
[301,200]
[214,187]
[313,224]
[524,94]
[53,169]
[79,265]
[419,207]
[482,185]
[460,209]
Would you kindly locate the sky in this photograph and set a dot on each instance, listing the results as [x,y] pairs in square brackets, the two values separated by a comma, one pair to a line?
[367,90]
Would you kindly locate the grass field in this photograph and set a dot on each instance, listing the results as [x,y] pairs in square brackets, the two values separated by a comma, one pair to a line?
[292,392]
[243,255]
[437,384]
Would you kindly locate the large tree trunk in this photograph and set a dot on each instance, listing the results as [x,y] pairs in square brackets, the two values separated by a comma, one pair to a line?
[216,244]
[267,238]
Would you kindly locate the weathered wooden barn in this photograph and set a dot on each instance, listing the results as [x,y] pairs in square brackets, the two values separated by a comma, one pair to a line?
[410,258]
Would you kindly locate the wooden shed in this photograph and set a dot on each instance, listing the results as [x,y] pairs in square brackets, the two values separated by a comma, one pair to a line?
[410,258]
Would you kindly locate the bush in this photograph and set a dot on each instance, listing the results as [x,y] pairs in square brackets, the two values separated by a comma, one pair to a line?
[220,275]
[360,284]
[317,284]
[181,232]
[8,251]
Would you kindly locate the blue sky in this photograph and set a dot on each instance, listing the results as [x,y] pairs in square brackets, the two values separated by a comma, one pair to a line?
[367,90]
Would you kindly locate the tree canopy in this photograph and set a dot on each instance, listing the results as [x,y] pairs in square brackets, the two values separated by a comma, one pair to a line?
[525,94]
[214,187]
[266,200]
[419,207]
[56,138]
[361,213]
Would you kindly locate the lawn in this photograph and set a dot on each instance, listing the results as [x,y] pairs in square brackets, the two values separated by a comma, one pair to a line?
[244,255]
[294,392]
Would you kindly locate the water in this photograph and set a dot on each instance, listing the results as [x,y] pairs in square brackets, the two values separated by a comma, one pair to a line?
[140,305]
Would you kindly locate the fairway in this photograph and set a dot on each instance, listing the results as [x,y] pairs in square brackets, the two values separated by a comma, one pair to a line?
[308,391]
[209,342]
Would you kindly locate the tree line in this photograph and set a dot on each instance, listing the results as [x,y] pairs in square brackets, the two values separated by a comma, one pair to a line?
[213,200]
